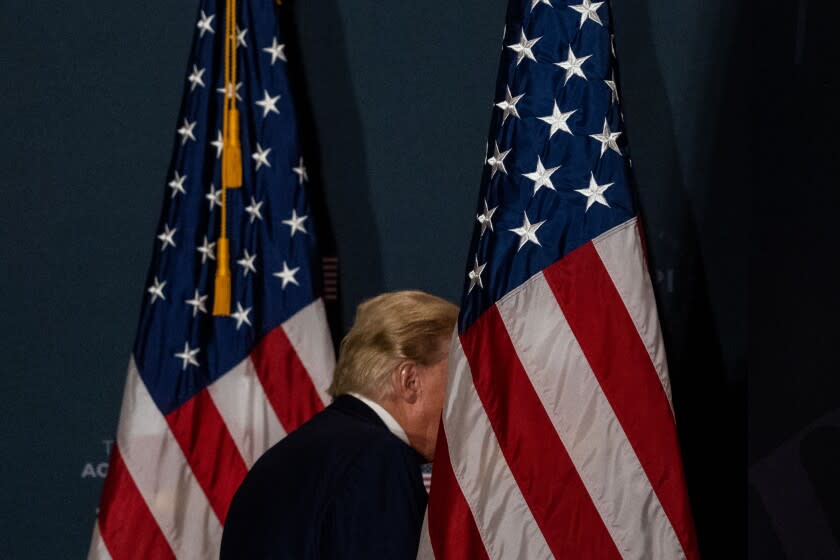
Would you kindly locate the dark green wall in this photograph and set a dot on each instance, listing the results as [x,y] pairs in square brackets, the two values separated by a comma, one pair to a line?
[399,95]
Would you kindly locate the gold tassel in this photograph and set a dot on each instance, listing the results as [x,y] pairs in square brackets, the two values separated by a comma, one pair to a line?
[231,166]
[232,154]
[221,294]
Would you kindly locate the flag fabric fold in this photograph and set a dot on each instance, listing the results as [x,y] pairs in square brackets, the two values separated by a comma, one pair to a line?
[205,396]
[558,437]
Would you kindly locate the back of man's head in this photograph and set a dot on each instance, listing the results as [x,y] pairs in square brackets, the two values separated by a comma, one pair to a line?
[390,329]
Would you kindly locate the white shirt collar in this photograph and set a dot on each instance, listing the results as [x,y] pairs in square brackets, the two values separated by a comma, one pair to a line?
[385,416]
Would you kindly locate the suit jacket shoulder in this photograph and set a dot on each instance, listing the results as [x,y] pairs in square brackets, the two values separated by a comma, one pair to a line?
[337,487]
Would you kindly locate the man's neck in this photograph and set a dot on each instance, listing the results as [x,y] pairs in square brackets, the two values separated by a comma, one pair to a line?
[412,428]
[391,420]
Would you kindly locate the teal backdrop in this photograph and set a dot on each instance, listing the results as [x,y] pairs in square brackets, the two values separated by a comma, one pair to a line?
[396,98]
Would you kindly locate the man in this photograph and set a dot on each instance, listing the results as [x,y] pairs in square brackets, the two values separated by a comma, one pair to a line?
[347,484]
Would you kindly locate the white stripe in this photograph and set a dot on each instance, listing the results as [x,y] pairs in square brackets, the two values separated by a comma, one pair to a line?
[248,415]
[162,475]
[502,516]
[425,551]
[620,250]
[310,336]
[97,549]
[586,423]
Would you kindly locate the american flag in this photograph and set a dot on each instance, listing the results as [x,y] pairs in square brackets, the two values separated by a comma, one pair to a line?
[426,471]
[206,396]
[558,437]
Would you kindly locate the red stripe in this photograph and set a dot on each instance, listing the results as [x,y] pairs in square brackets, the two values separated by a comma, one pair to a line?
[452,529]
[534,452]
[125,522]
[210,450]
[285,381]
[615,351]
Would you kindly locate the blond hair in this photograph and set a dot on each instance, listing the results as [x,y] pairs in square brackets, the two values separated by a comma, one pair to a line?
[389,329]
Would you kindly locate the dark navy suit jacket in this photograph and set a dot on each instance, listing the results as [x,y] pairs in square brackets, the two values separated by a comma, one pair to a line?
[340,486]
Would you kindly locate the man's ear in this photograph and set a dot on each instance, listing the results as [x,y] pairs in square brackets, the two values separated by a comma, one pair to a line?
[407,381]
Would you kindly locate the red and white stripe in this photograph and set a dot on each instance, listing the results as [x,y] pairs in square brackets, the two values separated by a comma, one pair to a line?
[558,437]
[172,477]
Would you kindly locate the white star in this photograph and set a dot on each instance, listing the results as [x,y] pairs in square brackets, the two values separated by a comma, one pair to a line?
[276,51]
[254,210]
[528,232]
[523,48]
[475,275]
[195,77]
[240,36]
[157,290]
[613,89]
[186,131]
[607,139]
[188,356]
[177,185]
[261,157]
[268,104]
[535,2]
[204,24]
[197,302]
[300,170]
[496,161]
[486,218]
[588,10]
[572,65]
[557,119]
[296,223]
[247,263]
[214,196]
[541,176]
[287,275]
[241,315]
[207,250]
[219,144]
[166,237]
[231,90]
[594,193]
[508,105]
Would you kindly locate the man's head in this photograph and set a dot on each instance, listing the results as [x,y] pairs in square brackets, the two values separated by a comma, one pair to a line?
[396,354]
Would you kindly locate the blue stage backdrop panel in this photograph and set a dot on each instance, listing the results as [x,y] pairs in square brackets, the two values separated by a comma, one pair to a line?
[400,95]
